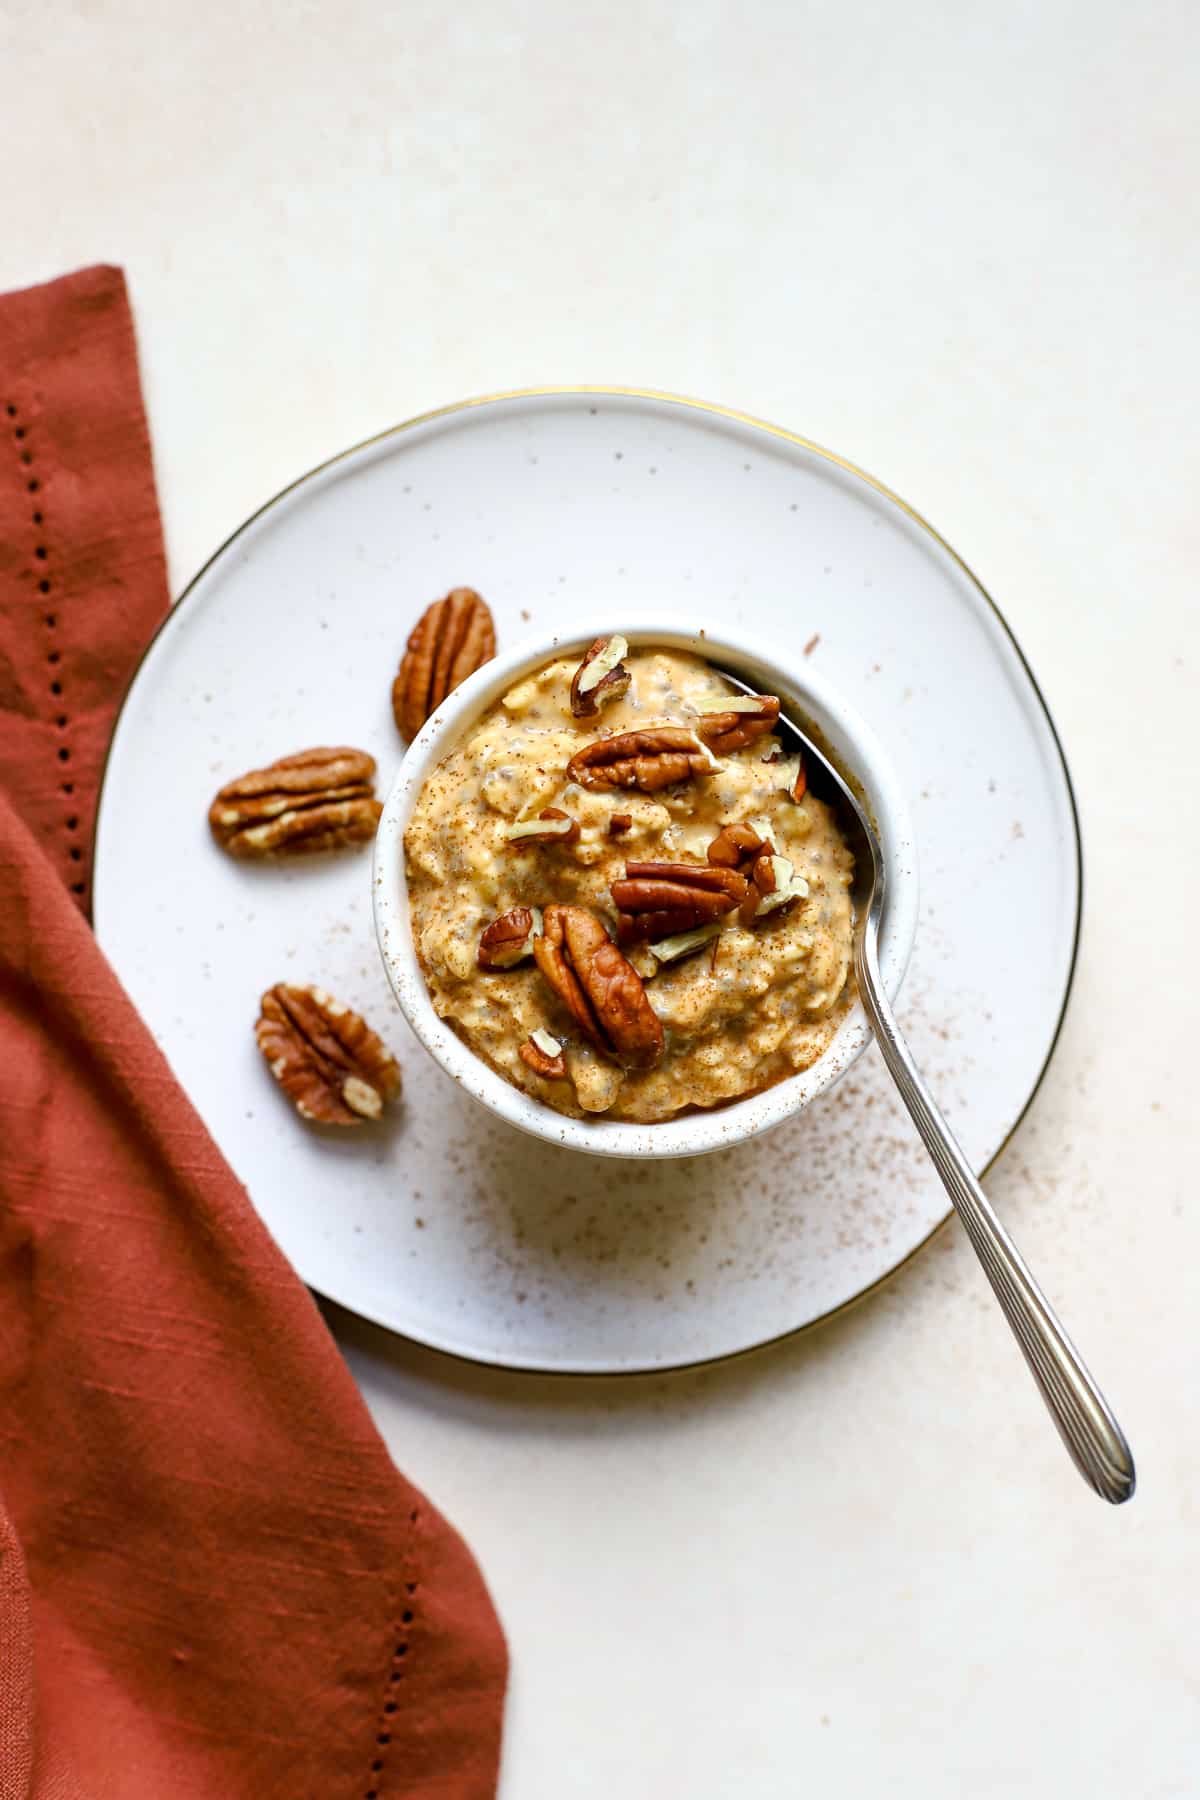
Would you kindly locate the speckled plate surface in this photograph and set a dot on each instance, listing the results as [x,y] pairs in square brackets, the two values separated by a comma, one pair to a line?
[444,1224]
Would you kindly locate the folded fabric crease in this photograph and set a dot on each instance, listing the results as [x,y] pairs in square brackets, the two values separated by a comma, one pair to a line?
[213,1581]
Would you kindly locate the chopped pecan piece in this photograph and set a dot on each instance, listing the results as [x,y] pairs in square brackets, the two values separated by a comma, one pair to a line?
[601,991]
[748,849]
[450,640]
[764,874]
[550,827]
[777,883]
[651,759]
[328,1061]
[793,776]
[504,942]
[770,880]
[742,719]
[544,1055]
[735,846]
[315,800]
[685,942]
[619,824]
[600,677]
[662,900]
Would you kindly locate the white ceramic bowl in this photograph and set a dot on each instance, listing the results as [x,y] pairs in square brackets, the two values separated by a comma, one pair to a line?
[694,1133]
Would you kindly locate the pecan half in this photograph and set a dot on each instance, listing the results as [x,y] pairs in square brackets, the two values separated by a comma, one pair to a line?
[315,800]
[544,1055]
[746,717]
[550,827]
[602,992]
[649,760]
[450,640]
[600,677]
[661,900]
[504,942]
[328,1061]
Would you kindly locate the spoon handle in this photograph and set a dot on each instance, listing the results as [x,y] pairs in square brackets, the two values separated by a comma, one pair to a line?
[1078,1408]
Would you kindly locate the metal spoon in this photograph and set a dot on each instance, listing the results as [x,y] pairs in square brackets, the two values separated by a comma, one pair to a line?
[1078,1408]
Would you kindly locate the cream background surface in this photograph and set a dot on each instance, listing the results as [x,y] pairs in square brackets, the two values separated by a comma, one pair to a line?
[960,246]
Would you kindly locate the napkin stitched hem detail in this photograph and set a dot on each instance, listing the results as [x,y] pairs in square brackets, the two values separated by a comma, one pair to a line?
[391,1705]
[45,588]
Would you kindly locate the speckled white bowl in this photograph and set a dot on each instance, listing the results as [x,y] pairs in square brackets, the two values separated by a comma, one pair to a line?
[694,1133]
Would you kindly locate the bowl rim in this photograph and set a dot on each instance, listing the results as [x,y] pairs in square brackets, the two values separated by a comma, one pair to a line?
[698,1132]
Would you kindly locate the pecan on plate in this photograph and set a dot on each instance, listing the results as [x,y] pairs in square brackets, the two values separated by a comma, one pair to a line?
[730,724]
[602,992]
[550,827]
[544,1055]
[600,677]
[315,800]
[328,1061]
[450,640]
[651,759]
[508,939]
[659,900]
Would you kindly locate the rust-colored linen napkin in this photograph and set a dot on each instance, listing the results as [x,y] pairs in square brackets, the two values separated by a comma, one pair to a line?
[213,1583]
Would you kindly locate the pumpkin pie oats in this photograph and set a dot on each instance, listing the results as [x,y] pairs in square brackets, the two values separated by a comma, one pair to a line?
[623,897]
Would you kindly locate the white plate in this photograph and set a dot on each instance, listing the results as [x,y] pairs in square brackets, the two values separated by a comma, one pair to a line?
[444,1224]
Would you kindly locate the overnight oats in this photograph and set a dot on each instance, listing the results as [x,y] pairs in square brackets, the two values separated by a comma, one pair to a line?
[623,897]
